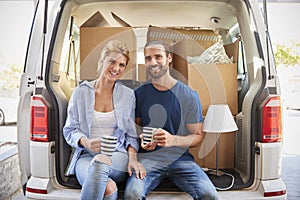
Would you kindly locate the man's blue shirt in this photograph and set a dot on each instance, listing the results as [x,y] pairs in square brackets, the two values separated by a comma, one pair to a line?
[171,110]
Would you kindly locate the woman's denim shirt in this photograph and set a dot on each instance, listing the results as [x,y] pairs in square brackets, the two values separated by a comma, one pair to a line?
[81,111]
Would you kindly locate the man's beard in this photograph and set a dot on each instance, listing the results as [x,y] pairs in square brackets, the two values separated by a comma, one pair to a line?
[161,72]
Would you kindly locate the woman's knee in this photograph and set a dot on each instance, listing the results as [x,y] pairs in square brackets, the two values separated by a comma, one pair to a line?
[111,187]
[99,167]
[102,159]
[111,190]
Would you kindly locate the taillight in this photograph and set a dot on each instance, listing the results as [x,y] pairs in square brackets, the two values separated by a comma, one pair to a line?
[39,120]
[276,193]
[271,120]
[39,191]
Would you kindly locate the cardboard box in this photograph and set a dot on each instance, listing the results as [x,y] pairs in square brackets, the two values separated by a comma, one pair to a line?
[205,155]
[142,73]
[92,41]
[215,84]
[185,48]
[172,36]
[181,50]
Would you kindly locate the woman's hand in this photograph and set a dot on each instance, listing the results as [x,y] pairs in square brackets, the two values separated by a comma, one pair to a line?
[137,167]
[93,145]
[134,165]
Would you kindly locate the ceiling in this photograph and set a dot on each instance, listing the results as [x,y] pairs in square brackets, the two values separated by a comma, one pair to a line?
[200,14]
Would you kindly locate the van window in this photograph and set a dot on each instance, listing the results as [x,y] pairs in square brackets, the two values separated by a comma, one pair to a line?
[70,51]
[70,65]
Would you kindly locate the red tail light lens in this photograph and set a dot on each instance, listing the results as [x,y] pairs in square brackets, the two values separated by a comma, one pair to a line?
[39,120]
[271,120]
[276,193]
[39,191]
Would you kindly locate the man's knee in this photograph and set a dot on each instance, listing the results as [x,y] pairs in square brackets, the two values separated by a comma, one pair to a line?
[102,158]
[206,194]
[132,194]
[211,196]
[134,189]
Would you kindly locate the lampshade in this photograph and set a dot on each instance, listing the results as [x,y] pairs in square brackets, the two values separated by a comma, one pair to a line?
[219,119]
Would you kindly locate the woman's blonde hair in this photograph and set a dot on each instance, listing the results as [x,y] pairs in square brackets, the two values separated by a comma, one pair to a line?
[113,46]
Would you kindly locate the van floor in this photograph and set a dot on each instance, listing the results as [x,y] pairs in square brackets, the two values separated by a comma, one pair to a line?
[225,181]
[220,182]
[166,190]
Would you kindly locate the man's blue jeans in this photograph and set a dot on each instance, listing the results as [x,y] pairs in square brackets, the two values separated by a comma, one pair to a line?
[93,175]
[186,175]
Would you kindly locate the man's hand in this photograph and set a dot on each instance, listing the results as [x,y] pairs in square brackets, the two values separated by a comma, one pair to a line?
[164,139]
[150,146]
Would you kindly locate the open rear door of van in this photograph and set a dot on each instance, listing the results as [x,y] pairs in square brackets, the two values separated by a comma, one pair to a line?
[32,77]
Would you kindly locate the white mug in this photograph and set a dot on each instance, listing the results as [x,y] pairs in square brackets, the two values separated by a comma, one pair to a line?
[148,133]
[108,144]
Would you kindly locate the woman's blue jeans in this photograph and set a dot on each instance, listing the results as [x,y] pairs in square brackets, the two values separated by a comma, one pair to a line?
[186,175]
[93,175]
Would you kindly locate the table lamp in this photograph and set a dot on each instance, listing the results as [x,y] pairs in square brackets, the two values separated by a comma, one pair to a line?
[218,120]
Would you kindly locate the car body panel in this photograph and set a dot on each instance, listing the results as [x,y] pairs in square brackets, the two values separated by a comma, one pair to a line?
[9,107]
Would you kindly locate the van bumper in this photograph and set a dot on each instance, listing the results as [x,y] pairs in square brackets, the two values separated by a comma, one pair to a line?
[272,187]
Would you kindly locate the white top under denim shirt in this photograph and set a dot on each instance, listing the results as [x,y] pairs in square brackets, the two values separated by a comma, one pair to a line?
[103,124]
[81,111]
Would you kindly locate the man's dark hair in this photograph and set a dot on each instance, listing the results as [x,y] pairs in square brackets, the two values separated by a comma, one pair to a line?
[157,42]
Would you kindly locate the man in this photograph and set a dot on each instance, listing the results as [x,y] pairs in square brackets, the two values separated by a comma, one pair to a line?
[175,110]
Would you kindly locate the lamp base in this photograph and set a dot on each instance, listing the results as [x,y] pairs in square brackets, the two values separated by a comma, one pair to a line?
[216,172]
[219,173]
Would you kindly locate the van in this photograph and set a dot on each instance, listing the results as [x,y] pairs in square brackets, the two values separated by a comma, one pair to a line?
[221,49]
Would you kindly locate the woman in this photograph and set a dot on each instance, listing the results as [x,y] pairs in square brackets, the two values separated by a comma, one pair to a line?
[100,108]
